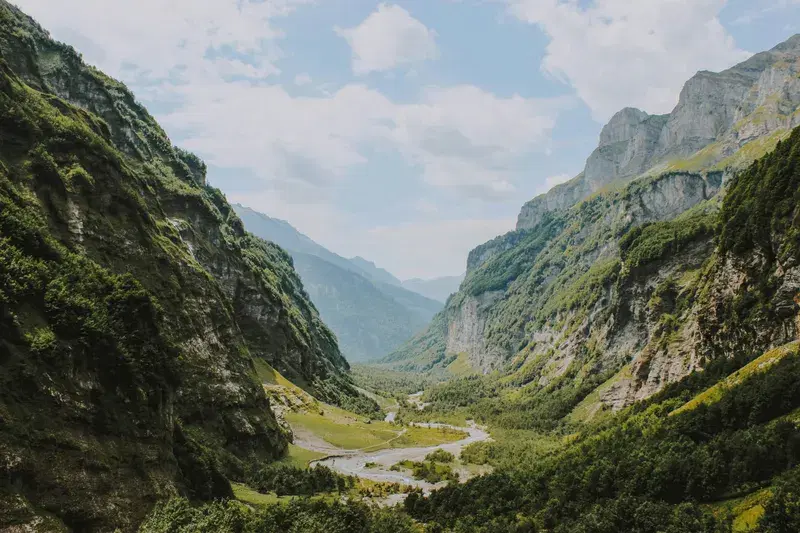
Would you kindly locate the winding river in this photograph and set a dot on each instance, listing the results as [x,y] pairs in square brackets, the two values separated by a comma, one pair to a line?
[354,462]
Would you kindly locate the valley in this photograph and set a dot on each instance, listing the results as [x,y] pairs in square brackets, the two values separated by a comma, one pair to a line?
[625,360]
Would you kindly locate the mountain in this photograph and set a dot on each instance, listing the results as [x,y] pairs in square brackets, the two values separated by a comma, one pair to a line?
[366,307]
[722,120]
[134,308]
[286,236]
[367,319]
[374,272]
[618,276]
[438,289]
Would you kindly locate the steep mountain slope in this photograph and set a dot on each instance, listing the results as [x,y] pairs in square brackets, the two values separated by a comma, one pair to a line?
[614,288]
[749,106]
[365,305]
[132,306]
[438,289]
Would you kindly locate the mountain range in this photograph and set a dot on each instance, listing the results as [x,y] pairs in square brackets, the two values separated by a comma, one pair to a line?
[369,310]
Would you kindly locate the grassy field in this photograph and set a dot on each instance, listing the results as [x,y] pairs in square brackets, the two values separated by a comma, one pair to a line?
[415,436]
[351,432]
[300,457]
[343,432]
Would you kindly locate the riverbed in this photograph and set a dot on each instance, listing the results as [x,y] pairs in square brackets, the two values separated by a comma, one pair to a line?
[354,463]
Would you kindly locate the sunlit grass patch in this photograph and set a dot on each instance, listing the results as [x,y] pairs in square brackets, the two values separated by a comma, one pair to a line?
[761,364]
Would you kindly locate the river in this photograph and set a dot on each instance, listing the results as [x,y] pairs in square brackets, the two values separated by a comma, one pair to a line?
[354,462]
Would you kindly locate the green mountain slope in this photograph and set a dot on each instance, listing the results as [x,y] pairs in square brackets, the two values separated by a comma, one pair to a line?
[611,276]
[367,321]
[132,306]
[367,308]
[712,442]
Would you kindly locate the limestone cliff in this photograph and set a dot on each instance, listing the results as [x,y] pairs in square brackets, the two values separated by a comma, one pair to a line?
[718,115]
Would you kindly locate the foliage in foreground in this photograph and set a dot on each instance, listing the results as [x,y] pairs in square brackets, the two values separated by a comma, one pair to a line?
[283,479]
[299,516]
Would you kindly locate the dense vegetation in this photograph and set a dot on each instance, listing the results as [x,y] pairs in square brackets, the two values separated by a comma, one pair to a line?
[300,516]
[430,471]
[645,469]
[283,479]
[131,306]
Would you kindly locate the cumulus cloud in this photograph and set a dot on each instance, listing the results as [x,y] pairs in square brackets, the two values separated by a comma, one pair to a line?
[462,138]
[618,53]
[152,40]
[387,38]
[210,67]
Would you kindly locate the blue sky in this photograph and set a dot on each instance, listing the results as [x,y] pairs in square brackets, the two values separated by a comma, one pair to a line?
[406,132]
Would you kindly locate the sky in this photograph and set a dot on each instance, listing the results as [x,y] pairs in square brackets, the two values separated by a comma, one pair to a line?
[406,132]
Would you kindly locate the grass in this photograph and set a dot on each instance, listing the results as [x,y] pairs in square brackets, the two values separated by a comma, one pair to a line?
[590,409]
[342,433]
[746,511]
[247,495]
[761,364]
[460,365]
[300,457]
[416,436]
[350,432]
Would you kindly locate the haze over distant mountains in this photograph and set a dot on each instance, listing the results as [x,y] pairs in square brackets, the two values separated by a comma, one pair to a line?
[370,310]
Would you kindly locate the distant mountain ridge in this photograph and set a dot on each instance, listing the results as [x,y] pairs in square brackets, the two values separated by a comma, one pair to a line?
[367,307]
[375,272]
[438,289]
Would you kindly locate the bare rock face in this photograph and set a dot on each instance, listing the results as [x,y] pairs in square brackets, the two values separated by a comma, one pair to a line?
[626,147]
[717,114]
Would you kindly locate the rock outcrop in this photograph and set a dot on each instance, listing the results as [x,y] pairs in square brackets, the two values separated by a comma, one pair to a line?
[717,114]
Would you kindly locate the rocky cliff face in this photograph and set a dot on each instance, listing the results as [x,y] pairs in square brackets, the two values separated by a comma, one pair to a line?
[717,114]
[132,306]
[626,281]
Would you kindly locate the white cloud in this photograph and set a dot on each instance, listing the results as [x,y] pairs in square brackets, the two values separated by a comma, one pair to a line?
[302,79]
[387,38]
[443,244]
[462,138]
[153,40]
[618,53]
